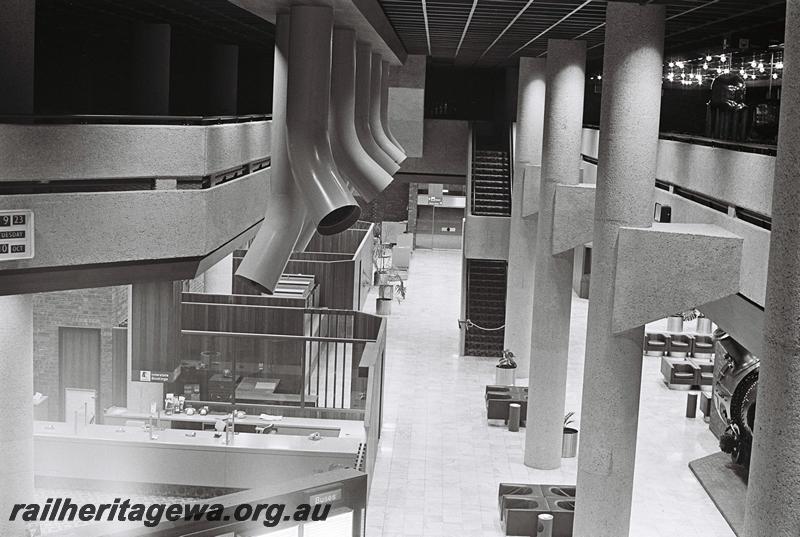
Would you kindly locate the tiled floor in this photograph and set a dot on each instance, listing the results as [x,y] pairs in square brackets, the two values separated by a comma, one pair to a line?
[440,463]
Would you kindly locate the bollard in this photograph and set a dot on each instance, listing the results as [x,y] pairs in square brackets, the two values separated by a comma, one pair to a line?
[513,417]
[545,528]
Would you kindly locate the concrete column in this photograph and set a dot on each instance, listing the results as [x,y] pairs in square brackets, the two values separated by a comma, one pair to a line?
[773,492]
[17,27]
[631,101]
[16,408]
[522,234]
[151,57]
[530,110]
[219,278]
[552,286]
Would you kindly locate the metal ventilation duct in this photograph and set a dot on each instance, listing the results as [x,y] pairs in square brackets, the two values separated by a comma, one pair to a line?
[331,205]
[353,161]
[385,107]
[375,105]
[363,97]
[267,256]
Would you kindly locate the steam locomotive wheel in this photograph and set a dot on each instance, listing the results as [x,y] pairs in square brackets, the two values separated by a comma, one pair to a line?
[743,415]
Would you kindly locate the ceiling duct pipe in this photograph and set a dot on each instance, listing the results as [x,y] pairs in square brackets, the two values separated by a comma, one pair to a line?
[375,123]
[331,204]
[385,107]
[353,161]
[266,258]
[363,97]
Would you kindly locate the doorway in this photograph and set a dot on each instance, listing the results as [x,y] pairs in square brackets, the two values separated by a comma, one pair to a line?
[79,373]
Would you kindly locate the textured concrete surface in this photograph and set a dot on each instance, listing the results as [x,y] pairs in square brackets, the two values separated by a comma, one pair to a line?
[486,237]
[445,149]
[107,227]
[521,260]
[738,178]
[552,286]
[755,249]
[522,233]
[53,152]
[16,417]
[669,268]
[530,192]
[630,108]
[407,103]
[530,110]
[573,217]
[773,494]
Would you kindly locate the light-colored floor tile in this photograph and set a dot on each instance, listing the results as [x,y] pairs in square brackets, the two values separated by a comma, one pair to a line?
[439,462]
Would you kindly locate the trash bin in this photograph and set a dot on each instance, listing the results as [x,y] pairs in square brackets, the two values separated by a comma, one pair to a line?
[569,443]
[505,376]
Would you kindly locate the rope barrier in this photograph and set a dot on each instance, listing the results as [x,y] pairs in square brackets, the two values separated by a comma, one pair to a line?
[469,324]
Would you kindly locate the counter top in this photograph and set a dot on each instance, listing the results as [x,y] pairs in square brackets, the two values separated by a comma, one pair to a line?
[194,440]
[345,428]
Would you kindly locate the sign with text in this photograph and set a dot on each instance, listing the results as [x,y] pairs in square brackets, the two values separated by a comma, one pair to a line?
[16,234]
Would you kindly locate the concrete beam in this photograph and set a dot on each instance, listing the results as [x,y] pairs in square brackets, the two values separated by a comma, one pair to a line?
[669,268]
[573,216]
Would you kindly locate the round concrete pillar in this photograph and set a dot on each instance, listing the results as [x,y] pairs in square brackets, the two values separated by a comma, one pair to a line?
[629,119]
[773,492]
[16,408]
[530,110]
[552,286]
[522,235]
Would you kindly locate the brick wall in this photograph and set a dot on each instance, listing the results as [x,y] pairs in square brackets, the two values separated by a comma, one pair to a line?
[85,308]
[391,205]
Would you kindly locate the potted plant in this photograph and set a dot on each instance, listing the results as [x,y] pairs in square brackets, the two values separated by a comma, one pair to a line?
[506,369]
[569,443]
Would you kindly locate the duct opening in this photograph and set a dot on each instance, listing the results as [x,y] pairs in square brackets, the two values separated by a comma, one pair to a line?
[338,220]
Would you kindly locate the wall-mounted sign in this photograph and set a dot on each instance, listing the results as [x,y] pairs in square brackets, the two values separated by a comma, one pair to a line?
[449,229]
[154,376]
[16,234]
[434,200]
[329,496]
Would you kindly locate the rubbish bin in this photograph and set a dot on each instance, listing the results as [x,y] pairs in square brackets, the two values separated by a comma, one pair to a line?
[569,443]
[505,376]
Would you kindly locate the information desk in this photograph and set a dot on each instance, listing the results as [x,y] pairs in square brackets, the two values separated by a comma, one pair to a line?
[283,426]
[126,454]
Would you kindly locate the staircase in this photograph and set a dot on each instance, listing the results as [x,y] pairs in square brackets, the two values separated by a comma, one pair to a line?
[486,307]
[491,183]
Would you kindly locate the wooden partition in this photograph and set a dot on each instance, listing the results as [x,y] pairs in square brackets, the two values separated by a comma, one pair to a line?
[341,264]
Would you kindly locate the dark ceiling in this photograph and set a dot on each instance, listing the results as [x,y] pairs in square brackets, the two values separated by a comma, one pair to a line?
[496,32]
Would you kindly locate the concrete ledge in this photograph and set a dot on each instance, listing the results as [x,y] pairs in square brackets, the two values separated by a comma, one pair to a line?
[60,152]
[486,237]
[670,268]
[77,229]
[573,216]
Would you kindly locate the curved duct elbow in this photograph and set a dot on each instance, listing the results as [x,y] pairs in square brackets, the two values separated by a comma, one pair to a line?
[385,107]
[330,204]
[266,258]
[362,110]
[375,105]
[352,160]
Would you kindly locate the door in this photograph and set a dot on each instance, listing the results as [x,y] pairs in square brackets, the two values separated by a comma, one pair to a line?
[79,368]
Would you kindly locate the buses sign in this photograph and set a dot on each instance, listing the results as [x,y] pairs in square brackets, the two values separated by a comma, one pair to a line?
[16,235]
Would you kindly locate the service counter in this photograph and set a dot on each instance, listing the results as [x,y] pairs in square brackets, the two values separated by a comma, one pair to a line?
[127,454]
